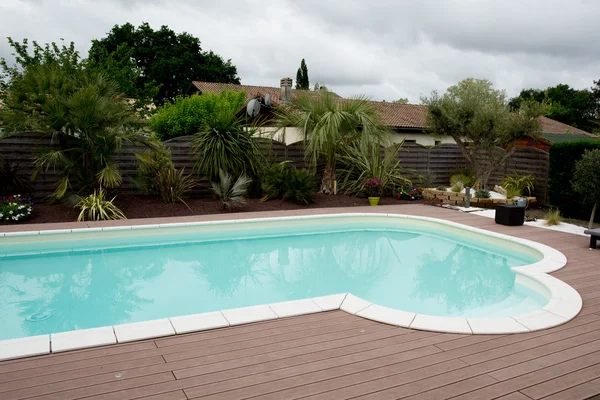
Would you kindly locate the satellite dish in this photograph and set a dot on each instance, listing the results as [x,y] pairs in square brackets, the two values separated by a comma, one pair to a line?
[268,99]
[253,108]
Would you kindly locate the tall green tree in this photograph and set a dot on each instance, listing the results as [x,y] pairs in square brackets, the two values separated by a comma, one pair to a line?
[565,104]
[328,124]
[401,100]
[478,118]
[586,180]
[158,63]
[302,82]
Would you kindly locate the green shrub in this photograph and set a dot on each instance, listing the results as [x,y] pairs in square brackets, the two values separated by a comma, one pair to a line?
[173,185]
[187,114]
[364,160]
[231,193]
[482,194]
[519,184]
[427,180]
[283,181]
[552,217]
[12,180]
[150,164]
[467,181]
[441,188]
[511,193]
[15,208]
[563,157]
[457,187]
[586,180]
[95,207]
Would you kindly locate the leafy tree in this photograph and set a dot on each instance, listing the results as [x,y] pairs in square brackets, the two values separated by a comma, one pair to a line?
[85,117]
[478,118]
[586,180]
[328,124]
[302,82]
[565,104]
[187,115]
[65,57]
[401,100]
[160,63]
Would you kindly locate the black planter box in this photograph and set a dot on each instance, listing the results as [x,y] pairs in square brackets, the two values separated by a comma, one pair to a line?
[510,215]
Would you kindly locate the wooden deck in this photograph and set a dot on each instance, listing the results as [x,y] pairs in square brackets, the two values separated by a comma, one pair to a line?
[335,355]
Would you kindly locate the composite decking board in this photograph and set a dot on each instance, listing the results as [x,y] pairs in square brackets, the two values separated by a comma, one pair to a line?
[583,391]
[269,328]
[535,377]
[558,362]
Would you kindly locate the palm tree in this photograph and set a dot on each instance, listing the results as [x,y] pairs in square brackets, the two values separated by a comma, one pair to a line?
[328,123]
[85,116]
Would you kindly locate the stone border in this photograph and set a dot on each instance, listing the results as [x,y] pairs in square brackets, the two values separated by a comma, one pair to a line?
[457,199]
[563,305]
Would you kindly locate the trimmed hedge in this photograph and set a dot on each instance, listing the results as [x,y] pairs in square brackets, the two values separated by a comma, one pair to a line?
[563,157]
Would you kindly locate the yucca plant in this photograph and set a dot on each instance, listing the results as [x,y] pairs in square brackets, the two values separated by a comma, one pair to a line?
[224,143]
[229,192]
[521,184]
[95,207]
[173,185]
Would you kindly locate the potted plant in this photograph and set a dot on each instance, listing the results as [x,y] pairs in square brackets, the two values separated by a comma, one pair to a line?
[373,186]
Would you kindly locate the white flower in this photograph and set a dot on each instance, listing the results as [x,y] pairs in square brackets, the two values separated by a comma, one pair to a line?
[10,212]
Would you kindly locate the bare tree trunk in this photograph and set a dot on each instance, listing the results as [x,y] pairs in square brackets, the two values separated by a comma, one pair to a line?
[591,223]
[327,183]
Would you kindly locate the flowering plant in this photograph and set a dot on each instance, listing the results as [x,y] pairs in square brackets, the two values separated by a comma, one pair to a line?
[373,186]
[15,208]
[409,192]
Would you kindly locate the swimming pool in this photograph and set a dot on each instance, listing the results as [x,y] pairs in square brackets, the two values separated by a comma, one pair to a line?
[413,270]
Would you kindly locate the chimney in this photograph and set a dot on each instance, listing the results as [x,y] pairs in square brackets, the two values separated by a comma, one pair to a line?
[286,90]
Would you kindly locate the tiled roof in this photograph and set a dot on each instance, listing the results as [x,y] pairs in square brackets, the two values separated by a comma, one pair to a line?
[552,126]
[252,92]
[414,116]
[402,115]
[393,114]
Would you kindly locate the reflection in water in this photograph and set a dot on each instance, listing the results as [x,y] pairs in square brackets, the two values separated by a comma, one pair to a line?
[464,278]
[118,285]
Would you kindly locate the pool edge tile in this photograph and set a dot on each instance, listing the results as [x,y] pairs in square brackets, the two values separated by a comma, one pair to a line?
[331,302]
[353,304]
[24,347]
[495,326]
[441,324]
[198,322]
[82,339]
[539,320]
[295,307]
[245,315]
[143,330]
[387,315]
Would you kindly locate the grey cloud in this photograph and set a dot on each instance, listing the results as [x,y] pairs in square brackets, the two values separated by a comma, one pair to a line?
[384,49]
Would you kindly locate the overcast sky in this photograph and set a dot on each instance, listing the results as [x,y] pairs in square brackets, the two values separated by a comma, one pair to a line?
[383,49]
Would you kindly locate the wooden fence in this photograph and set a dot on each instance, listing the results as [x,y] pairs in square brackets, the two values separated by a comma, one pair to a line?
[440,161]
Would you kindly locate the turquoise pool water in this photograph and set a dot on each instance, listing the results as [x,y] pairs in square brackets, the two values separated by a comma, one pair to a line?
[81,281]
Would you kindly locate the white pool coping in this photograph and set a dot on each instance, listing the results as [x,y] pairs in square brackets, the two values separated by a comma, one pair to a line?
[563,305]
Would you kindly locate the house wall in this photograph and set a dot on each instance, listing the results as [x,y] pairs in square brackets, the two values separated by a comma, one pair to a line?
[290,135]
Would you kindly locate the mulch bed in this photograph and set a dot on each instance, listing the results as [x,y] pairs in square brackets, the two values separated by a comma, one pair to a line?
[152,207]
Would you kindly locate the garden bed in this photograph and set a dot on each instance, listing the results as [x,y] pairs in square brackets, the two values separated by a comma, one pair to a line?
[152,207]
